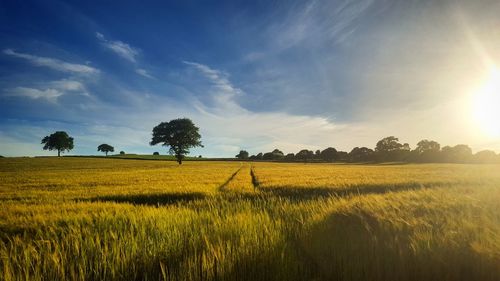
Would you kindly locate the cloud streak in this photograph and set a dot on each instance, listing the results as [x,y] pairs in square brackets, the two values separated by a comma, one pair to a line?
[53,63]
[50,95]
[223,91]
[120,48]
[144,73]
[51,91]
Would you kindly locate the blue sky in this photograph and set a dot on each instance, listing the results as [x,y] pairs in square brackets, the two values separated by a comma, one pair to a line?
[253,75]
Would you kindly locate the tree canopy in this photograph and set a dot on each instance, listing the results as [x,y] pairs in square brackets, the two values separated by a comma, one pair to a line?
[329,154]
[59,141]
[179,134]
[105,148]
[242,155]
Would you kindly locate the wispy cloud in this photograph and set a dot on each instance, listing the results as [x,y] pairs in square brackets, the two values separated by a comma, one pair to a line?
[120,48]
[223,91]
[317,22]
[50,95]
[68,85]
[144,73]
[50,91]
[53,63]
[257,131]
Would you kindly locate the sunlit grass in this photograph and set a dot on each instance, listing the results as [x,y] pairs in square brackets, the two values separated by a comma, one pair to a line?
[155,220]
[72,178]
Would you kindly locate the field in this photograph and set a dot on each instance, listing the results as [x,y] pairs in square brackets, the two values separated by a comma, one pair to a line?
[116,219]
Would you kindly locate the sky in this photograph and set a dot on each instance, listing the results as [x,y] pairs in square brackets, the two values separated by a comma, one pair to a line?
[252,75]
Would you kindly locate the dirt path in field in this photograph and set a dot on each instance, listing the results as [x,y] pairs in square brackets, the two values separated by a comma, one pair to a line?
[240,181]
[223,186]
[255,181]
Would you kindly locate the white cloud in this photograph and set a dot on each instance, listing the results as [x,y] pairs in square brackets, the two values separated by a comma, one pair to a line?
[318,23]
[50,95]
[120,48]
[223,92]
[55,64]
[49,91]
[265,131]
[68,85]
[144,73]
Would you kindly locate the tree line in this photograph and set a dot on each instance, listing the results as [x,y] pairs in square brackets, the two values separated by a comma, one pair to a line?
[388,149]
[181,134]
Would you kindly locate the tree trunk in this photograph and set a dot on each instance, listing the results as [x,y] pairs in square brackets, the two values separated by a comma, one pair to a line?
[106,154]
[58,153]
[179,160]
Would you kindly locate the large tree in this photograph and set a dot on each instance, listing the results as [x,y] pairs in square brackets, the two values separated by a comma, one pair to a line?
[59,141]
[179,134]
[105,148]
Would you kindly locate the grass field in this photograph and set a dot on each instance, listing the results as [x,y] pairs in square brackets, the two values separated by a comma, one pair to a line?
[115,219]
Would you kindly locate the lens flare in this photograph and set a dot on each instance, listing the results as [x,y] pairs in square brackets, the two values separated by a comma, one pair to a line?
[486,105]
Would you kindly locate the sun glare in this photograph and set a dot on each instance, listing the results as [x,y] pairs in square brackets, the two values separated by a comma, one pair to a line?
[486,105]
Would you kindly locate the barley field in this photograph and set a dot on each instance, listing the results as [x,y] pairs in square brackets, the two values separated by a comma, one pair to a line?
[116,219]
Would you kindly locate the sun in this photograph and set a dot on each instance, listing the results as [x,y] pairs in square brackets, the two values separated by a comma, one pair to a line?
[486,105]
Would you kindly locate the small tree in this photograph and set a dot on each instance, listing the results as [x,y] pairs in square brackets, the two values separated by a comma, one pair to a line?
[179,134]
[105,148]
[242,155]
[122,152]
[59,141]
[156,153]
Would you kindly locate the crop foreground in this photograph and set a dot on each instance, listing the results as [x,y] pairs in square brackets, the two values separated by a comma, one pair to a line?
[111,219]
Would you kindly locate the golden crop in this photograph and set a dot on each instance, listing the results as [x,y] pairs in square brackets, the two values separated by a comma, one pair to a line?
[111,219]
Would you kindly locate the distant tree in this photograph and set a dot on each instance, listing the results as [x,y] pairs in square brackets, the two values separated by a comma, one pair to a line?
[317,154]
[199,156]
[329,154]
[277,154]
[242,155]
[267,156]
[59,141]
[304,155]
[427,145]
[486,156]
[342,156]
[460,153]
[361,154]
[388,144]
[273,155]
[389,149]
[257,157]
[105,148]
[179,134]
[156,153]
[122,152]
[426,151]
[289,157]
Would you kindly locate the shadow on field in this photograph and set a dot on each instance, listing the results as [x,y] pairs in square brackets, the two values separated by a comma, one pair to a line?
[152,199]
[304,193]
[359,245]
